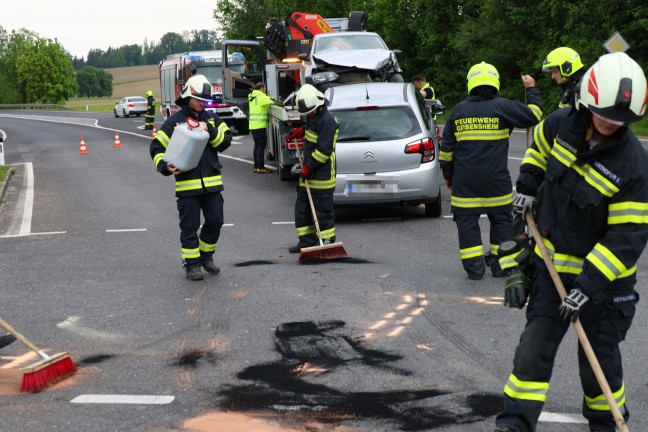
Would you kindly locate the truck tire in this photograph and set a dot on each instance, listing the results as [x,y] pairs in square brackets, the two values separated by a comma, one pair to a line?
[284,172]
[242,127]
[358,21]
[397,78]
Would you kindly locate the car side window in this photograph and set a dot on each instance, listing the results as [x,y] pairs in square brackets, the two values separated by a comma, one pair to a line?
[424,109]
[122,101]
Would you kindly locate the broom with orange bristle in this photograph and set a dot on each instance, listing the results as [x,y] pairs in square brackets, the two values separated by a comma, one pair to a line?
[45,372]
[323,251]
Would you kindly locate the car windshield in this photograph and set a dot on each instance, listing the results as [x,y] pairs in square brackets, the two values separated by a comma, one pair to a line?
[343,43]
[382,124]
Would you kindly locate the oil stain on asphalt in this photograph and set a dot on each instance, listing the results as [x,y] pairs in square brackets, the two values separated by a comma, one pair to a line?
[323,348]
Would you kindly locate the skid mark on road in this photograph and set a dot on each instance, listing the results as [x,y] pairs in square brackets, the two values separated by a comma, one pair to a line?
[311,352]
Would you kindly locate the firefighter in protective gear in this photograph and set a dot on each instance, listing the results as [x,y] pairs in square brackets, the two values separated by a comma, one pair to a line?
[258,124]
[474,156]
[149,117]
[320,136]
[566,69]
[198,189]
[593,213]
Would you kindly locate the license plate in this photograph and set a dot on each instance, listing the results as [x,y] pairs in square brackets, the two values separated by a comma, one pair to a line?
[222,110]
[372,187]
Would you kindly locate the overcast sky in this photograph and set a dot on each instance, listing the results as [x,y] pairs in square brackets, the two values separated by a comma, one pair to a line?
[82,25]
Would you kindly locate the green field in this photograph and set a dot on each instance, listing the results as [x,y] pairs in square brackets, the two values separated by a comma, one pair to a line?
[3,170]
[127,81]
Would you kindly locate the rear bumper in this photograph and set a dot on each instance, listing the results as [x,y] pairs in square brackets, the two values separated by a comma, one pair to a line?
[416,186]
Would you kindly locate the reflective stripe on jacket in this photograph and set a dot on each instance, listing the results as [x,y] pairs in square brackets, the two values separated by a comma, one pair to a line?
[594,204]
[319,150]
[474,150]
[259,104]
[206,177]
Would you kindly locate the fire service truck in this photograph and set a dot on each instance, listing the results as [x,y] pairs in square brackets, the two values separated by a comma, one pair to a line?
[232,80]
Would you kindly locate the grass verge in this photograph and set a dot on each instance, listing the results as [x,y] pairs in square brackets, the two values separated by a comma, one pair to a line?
[3,170]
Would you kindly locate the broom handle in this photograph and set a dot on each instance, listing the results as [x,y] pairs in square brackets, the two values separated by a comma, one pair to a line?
[23,339]
[582,336]
[310,199]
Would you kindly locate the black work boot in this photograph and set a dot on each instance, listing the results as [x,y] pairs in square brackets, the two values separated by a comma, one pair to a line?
[194,274]
[505,428]
[210,267]
[6,340]
[496,269]
[298,247]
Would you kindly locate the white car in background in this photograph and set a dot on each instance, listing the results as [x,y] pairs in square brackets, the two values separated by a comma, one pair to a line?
[387,147]
[131,105]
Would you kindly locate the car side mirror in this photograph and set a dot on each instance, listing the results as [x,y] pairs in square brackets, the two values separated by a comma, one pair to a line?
[302,56]
[397,52]
[436,107]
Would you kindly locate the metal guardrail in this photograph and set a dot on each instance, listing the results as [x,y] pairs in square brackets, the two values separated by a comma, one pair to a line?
[34,106]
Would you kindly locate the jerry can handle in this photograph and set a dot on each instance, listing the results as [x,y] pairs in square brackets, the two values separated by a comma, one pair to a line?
[192,124]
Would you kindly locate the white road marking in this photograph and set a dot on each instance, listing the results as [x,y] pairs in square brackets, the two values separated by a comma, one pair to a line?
[125,230]
[283,223]
[72,324]
[562,418]
[25,227]
[228,225]
[49,233]
[123,399]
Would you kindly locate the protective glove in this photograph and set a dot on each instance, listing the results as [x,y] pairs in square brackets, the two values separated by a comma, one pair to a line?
[516,290]
[295,133]
[572,305]
[305,173]
[523,203]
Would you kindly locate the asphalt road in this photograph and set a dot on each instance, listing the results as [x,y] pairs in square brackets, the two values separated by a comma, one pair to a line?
[394,338]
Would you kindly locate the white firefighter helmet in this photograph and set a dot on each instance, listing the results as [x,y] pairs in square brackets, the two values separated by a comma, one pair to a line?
[614,88]
[308,99]
[198,87]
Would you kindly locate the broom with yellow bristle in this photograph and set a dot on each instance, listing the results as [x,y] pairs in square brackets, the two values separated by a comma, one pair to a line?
[323,251]
[45,372]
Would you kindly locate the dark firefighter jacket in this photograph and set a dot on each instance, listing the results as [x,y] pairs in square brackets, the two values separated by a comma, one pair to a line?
[474,150]
[150,106]
[594,202]
[207,174]
[320,137]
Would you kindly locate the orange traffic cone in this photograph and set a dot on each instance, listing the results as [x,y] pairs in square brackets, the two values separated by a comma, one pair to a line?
[117,142]
[83,149]
[154,132]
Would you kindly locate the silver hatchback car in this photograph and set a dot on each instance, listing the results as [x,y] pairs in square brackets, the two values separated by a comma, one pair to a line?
[130,105]
[387,146]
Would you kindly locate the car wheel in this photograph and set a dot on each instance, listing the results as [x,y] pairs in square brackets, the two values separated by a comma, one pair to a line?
[126,114]
[433,209]
[116,115]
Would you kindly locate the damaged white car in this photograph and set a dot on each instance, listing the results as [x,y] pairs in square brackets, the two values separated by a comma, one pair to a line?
[349,58]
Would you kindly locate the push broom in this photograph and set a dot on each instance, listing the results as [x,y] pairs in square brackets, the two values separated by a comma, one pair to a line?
[323,251]
[580,331]
[45,372]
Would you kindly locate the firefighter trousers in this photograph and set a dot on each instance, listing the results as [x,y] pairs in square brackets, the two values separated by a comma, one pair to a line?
[304,222]
[605,324]
[149,120]
[470,240]
[260,137]
[198,248]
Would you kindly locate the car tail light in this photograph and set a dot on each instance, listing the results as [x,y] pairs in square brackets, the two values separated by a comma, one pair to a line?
[425,147]
[131,105]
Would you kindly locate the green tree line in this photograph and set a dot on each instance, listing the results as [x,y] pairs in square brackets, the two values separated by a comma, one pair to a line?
[444,38]
[40,70]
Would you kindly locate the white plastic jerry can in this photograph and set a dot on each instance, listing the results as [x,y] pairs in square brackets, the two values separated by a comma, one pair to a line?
[187,145]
